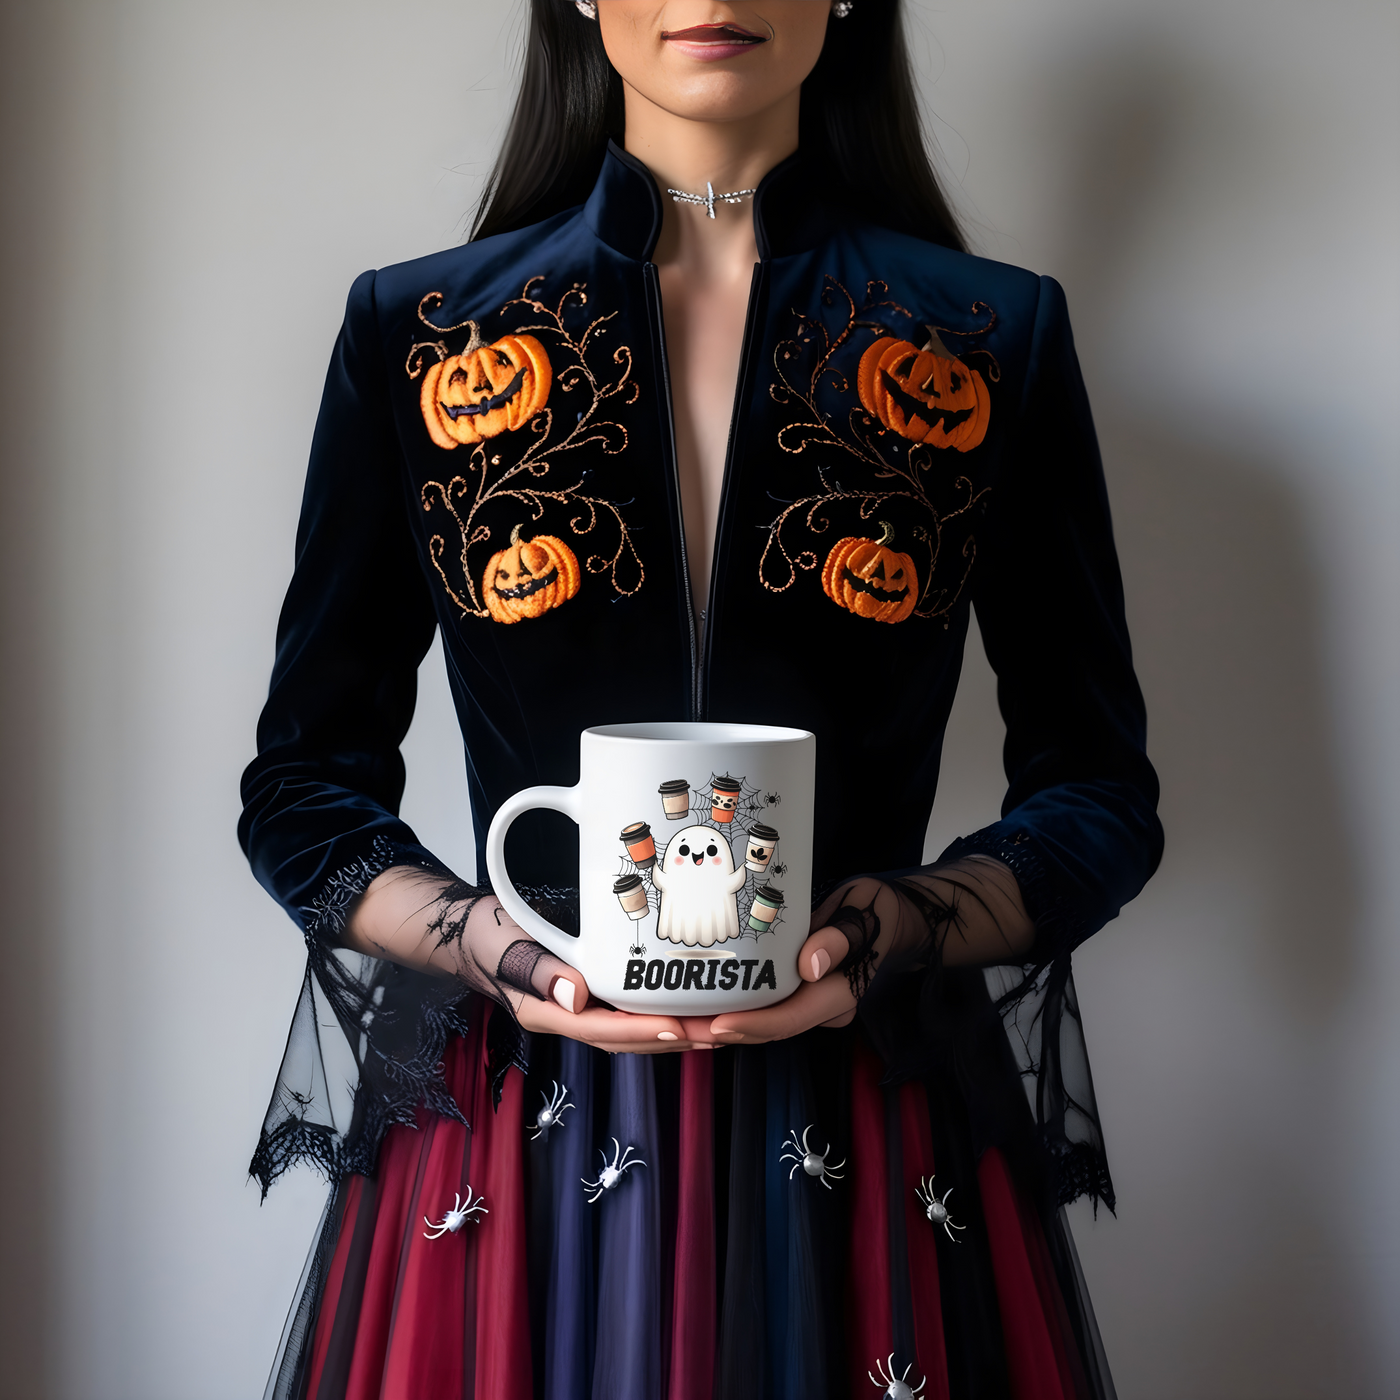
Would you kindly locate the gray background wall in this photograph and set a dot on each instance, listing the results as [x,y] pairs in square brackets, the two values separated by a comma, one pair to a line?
[189,189]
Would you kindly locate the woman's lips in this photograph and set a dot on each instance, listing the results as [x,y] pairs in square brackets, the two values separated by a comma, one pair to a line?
[711,42]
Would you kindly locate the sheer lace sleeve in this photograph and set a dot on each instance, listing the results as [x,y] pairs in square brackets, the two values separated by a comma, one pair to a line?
[320,817]
[1079,827]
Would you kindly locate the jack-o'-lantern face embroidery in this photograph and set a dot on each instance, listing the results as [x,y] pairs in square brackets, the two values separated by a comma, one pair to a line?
[486,389]
[868,578]
[529,578]
[926,395]
[886,463]
[496,397]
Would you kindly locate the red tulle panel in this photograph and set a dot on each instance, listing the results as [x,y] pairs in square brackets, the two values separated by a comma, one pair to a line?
[1033,1317]
[444,1317]
[335,1279]
[503,1304]
[868,1289]
[693,1317]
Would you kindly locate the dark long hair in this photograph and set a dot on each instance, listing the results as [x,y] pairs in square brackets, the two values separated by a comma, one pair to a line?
[860,130]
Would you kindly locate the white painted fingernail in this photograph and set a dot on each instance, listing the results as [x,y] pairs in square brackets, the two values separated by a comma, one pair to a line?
[666,1035]
[565,992]
[821,960]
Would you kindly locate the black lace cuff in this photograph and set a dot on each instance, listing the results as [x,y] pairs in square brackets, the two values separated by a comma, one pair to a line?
[325,918]
[1059,926]
[396,1023]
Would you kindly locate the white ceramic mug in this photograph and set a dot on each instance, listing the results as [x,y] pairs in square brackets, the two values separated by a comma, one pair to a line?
[713,934]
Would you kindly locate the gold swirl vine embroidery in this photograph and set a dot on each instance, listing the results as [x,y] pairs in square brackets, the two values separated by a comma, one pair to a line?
[883,466]
[494,473]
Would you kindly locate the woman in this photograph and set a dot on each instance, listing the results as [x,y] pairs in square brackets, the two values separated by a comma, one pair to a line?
[529,443]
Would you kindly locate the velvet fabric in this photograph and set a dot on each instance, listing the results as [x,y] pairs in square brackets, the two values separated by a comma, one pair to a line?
[1030,547]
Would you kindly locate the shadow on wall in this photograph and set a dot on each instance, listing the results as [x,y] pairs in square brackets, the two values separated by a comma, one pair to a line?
[29,868]
[1222,584]
[1223,596]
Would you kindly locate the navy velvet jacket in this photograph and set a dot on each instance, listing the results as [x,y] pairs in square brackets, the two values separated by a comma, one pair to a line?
[910,439]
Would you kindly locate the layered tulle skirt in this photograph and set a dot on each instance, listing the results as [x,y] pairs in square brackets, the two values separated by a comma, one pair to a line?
[765,1223]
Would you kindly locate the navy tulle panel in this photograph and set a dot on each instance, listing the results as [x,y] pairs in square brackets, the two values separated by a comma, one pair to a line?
[805,1250]
[782,1327]
[628,1364]
[920,1234]
[743,1367]
[974,1348]
[562,1230]
[902,1303]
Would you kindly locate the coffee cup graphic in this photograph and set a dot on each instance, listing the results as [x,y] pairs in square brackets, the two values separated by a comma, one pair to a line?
[632,895]
[763,841]
[641,847]
[675,799]
[654,938]
[766,903]
[725,798]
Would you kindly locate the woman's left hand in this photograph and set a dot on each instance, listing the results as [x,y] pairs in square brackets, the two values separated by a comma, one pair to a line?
[986,922]
[825,997]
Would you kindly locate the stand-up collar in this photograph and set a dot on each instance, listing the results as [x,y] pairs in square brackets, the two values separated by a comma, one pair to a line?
[625,208]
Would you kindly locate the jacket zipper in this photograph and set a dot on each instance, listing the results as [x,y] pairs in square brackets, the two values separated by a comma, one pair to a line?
[698,664]
[658,329]
[745,354]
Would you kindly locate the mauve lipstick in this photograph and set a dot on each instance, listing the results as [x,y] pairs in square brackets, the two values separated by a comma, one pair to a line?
[711,42]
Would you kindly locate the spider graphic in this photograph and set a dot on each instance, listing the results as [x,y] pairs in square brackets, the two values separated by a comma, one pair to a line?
[779,869]
[896,1387]
[461,1212]
[813,1163]
[935,1209]
[611,1175]
[551,1115]
[772,799]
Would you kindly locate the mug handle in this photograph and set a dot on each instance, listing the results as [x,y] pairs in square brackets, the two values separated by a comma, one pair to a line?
[556,799]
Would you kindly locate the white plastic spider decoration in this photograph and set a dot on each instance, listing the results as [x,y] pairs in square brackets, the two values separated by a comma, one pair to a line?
[896,1387]
[813,1163]
[461,1212]
[551,1115]
[937,1210]
[611,1175]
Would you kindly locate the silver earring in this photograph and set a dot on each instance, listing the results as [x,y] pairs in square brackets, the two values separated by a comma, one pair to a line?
[589,10]
[842,8]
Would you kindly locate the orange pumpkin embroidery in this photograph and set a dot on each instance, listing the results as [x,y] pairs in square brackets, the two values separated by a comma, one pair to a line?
[870,579]
[926,395]
[529,577]
[486,390]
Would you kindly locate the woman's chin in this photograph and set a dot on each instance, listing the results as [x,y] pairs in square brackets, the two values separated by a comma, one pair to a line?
[711,94]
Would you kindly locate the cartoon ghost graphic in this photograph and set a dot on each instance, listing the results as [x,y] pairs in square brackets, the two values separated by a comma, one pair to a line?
[698,885]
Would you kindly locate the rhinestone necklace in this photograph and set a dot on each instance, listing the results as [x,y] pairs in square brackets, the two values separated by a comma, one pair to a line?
[709,199]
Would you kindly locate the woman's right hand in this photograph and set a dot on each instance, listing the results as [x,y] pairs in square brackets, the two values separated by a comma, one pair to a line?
[426,921]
